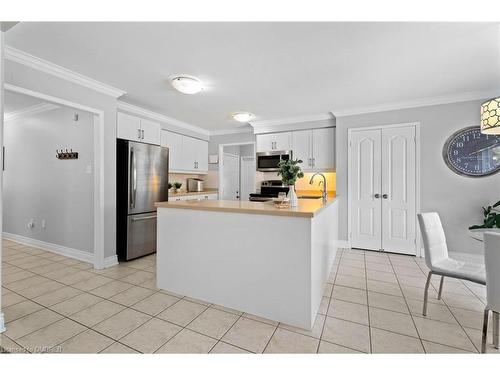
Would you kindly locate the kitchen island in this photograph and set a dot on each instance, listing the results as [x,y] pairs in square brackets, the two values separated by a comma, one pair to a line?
[249,256]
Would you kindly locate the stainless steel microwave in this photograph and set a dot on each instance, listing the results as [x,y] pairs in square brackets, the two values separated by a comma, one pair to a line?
[268,161]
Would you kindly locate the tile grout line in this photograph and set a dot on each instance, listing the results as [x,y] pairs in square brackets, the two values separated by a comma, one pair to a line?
[408,307]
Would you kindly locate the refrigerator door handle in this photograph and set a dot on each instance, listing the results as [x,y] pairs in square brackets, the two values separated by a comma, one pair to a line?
[144,218]
[133,178]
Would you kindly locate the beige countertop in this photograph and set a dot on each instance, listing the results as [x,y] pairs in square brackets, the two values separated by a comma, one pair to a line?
[306,208]
[184,193]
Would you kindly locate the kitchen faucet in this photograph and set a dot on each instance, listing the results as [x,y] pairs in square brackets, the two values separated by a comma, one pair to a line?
[324,193]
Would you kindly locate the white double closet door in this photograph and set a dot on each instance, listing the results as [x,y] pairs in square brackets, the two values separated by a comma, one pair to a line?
[382,189]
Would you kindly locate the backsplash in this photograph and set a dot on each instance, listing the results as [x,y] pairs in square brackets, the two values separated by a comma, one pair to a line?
[303,183]
[178,177]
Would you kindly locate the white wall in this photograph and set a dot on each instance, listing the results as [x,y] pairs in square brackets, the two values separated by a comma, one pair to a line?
[39,186]
[32,79]
[457,199]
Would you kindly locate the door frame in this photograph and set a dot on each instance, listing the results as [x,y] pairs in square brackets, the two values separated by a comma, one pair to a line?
[98,167]
[416,126]
[221,157]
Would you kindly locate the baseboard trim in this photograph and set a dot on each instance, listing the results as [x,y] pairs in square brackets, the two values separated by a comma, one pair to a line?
[80,255]
[110,261]
[344,244]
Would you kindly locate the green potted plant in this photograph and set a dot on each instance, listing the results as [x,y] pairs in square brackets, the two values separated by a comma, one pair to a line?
[177,186]
[170,186]
[491,217]
[290,171]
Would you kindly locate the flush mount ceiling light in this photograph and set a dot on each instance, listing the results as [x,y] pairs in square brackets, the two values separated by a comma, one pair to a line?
[186,84]
[243,116]
[490,116]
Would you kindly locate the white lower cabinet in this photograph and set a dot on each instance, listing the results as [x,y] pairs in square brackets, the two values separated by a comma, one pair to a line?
[197,197]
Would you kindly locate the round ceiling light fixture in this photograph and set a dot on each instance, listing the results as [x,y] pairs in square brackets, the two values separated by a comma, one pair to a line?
[186,84]
[243,116]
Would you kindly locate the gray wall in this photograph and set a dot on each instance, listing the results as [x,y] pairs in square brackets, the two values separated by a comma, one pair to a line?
[20,75]
[216,140]
[457,199]
[41,187]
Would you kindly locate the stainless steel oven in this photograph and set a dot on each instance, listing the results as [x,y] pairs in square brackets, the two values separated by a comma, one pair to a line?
[268,161]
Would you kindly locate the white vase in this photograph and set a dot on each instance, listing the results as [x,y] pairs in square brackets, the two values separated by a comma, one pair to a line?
[292,195]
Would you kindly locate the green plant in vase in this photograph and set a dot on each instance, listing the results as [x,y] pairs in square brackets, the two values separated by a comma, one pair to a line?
[491,217]
[290,171]
[177,186]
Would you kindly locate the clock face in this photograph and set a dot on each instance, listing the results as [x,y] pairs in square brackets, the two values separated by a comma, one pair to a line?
[468,152]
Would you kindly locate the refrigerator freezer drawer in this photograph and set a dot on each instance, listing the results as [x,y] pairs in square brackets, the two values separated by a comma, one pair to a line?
[141,235]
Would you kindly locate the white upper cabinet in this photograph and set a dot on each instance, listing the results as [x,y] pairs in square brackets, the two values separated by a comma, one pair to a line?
[323,148]
[202,156]
[186,154]
[174,143]
[136,129]
[150,132]
[316,148]
[274,142]
[302,148]
[128,127]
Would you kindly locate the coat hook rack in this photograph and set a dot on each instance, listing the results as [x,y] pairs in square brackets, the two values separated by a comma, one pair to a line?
[66,155]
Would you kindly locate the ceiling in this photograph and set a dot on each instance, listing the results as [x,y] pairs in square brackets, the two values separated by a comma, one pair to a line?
[275,70]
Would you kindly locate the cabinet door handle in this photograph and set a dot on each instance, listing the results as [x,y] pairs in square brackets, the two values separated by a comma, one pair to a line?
[313,162]
[139,133]
[142,133]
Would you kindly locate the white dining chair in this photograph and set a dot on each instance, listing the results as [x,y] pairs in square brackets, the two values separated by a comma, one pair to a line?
[492,262]
[437,259]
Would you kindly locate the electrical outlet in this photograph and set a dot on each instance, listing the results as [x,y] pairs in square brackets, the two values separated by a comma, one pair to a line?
[44,223]
[31,223]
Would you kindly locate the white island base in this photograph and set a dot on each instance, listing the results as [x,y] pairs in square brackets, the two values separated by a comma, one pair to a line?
[270,265]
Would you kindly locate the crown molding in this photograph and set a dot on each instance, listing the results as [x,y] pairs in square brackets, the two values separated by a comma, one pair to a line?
[159,117]
[31,110]
[231,131]
[423,102]
[48,67]
[290,120]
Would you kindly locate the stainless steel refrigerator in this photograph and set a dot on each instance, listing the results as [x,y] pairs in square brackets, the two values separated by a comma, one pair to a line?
[142,180]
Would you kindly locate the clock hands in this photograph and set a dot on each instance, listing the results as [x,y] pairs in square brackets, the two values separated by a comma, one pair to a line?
[484,148]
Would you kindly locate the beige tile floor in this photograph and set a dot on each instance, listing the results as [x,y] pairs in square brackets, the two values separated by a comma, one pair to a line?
[372,304]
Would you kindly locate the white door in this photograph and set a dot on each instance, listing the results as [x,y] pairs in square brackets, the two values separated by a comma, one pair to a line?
[301,148]
[382,189]
[231,177]
[247,178]
[174,143]
[323,145]
[128,127]
[398,190]
[364,190]
[150,132]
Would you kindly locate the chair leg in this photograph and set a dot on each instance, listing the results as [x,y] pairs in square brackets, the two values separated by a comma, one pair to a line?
[440,287]
[485,330]
[426,293]
[495,329]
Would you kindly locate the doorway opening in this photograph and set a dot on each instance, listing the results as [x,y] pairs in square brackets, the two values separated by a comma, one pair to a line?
[89,178]
[236,171]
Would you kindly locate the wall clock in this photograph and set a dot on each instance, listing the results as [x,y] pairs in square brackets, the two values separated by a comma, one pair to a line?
[470,153]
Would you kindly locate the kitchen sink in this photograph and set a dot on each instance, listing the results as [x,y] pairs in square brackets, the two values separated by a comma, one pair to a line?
[310,197]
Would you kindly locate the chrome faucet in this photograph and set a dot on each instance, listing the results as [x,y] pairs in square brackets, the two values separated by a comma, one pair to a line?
[324,193]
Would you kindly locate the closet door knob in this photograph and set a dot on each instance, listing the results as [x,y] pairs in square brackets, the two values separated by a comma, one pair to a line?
[385,196]
[377,195]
